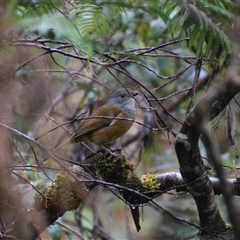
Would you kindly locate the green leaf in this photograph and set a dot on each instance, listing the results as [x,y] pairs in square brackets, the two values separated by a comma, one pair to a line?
[200,42]
[214,52]
[228,165]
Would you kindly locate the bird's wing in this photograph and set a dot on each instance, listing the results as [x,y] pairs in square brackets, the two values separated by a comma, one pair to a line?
[93,124]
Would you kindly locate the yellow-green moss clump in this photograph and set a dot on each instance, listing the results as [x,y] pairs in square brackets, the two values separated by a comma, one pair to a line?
[150,181]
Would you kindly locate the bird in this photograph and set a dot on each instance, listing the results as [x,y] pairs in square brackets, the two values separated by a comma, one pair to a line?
[104,126]
[107,123]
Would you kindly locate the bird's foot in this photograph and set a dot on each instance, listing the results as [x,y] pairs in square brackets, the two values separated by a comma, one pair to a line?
[114,152]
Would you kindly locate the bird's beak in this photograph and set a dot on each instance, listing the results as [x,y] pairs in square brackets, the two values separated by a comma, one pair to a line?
[134,93]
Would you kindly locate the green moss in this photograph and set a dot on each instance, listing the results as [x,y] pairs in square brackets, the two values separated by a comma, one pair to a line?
[61,196]
[113,170]
[119,171]
[228,225]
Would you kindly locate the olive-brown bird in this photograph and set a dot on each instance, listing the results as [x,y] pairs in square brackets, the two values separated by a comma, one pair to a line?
[102,131]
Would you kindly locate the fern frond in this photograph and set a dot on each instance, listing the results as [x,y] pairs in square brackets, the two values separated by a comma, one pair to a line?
[222,9]
[205,35]
[33,8]
[94,18]
[90,19]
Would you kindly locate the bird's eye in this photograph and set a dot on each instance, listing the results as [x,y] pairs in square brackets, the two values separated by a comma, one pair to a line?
[122,95]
